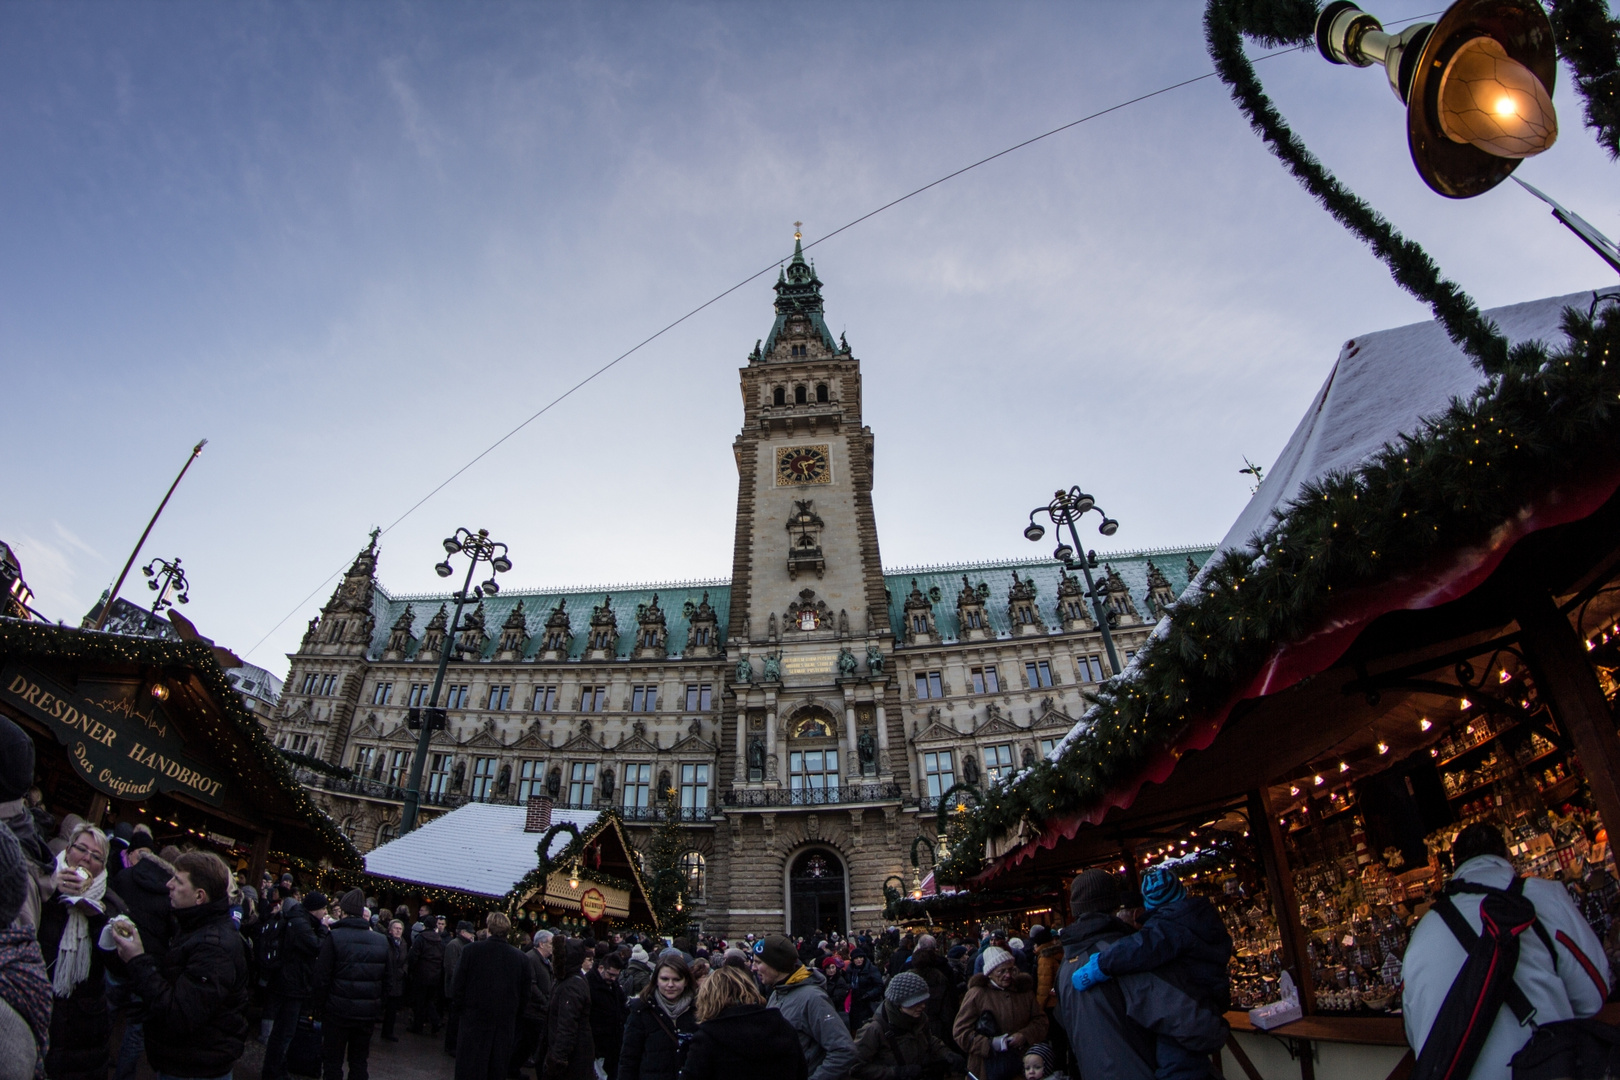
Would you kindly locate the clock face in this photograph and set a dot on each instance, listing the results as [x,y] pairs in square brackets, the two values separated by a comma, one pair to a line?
[802,465]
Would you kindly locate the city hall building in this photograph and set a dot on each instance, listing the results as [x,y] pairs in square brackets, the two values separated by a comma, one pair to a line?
[808,713]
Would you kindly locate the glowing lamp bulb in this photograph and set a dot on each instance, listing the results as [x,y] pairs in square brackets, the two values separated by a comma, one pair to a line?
[160,692]
[1424,725]
[1317,780]
[1464,704]
[1293,789]
[1344,766]
[1383,748]
[1495,103]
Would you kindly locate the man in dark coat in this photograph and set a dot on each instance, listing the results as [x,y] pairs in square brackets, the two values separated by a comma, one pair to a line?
[197,994]
[143,885]
[491,987]
[301,927]
[608,1008]
[1113,1026]
[532,1024]
[452,957]
[942,997]
[570,1051]
[351,978]
[427,976]
[394,989]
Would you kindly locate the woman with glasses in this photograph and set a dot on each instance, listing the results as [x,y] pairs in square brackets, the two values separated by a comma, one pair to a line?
[71,919]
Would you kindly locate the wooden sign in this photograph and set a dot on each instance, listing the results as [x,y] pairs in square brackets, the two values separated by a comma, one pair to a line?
[592,904]
[117,750]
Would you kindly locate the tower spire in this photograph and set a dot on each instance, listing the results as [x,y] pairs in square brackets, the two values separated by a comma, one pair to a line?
[798,296]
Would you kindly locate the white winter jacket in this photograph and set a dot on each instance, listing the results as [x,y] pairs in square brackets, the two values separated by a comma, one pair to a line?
[1575,987]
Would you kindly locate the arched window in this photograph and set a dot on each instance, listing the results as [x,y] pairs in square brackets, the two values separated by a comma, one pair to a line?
[779,396]
[692,866]
[821,392]
[799,396]
[386,832]
[348,828]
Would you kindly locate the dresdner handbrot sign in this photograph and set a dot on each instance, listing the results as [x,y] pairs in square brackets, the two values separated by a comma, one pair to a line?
[120,752]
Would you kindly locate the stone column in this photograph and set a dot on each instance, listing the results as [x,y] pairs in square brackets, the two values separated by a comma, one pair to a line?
[740,772]
[852,757]
[885,771]
[773,767]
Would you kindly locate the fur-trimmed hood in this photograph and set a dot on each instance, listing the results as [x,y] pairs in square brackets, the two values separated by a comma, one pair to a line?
[1021,984]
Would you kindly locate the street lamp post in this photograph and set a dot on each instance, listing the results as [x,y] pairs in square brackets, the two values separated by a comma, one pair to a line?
[1066,508]
[479,548]
[166,577]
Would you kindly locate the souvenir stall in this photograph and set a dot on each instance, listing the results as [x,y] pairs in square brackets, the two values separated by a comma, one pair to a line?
[1401,634]
[571,869]
[142,730]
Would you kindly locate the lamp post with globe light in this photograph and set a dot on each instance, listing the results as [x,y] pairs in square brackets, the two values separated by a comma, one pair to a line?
[478,547]
[1066,508]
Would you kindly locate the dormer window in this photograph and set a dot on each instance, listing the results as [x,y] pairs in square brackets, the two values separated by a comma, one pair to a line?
[779,396]
[799,396]
[821,393]
[800,350]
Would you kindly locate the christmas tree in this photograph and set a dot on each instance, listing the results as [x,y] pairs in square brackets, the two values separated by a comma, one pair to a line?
[666,879]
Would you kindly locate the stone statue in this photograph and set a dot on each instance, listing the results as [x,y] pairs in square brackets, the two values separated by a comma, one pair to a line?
[554,783]
[770,628]
[585,728]
[843,623]
[458,775]
[1029,758]
[874,660]
[607,784]
[745,670]
[748,628]
[638,729]
[663,783]
[866,748]
[504,780]
[871,623]
[773,667]
[846,664]
[756,754]
[970,767]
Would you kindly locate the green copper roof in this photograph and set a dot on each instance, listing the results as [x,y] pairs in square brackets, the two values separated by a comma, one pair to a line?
[798,291]
[942,585]
[538,605]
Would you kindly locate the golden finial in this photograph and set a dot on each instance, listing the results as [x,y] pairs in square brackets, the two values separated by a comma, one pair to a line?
[797,225]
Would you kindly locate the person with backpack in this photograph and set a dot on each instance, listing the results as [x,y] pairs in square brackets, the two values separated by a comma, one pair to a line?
[1537,955]
[350,984]
[899,1043]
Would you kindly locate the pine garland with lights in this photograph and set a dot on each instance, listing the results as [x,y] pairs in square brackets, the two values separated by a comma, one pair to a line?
[1550,415]
[1589,42]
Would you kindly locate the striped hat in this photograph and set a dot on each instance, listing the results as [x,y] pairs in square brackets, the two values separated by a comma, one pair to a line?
[1160,886]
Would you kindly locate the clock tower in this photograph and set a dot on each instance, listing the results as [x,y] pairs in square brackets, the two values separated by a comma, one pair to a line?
[812,717]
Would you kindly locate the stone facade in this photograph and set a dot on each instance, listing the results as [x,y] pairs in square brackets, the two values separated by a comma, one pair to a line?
[809,712]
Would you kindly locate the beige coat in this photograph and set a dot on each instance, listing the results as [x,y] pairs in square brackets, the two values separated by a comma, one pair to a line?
[1015,1009]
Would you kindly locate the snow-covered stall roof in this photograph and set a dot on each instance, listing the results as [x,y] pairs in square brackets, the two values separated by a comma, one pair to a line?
[478,848]
[1382,386]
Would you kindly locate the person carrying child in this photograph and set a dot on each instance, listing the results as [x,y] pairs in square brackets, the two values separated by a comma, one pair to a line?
[1184,942]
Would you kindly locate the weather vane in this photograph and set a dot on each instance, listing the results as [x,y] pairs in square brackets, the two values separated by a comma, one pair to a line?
[1253,470]
[797,225]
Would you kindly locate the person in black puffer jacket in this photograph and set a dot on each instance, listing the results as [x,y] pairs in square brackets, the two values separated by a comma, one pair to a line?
[865,988]
[351,977]
[607,1008]
[197,994]
[302,928]
[427,976]
[570,1052]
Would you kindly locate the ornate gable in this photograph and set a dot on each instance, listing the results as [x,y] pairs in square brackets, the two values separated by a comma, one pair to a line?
[995,723]
[934,729]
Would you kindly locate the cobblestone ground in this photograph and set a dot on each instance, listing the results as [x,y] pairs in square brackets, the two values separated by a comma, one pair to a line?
[414,1057]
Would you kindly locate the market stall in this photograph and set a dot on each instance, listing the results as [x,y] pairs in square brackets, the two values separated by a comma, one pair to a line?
[567,868]
[1407,630]
[144,730]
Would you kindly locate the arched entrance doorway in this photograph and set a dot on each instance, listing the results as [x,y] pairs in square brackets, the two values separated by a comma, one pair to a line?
[816,894]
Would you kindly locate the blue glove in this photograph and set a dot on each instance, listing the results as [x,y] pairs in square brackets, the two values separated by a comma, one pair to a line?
[1089,975]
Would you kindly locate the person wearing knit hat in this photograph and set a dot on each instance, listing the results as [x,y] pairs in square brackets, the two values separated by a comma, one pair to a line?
[1040,1063]
[999,1017]
[799,993]
[899,1041]
[353,902]
[1184,941]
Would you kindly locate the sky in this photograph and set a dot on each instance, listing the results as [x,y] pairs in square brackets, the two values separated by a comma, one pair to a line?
[354,245]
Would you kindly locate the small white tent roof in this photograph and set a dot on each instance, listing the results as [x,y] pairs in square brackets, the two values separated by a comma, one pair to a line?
[1382,386]
[477,848]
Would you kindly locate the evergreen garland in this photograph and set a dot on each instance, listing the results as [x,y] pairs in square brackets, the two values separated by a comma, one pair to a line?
[1292,22]
[1589,42]
[1548,417]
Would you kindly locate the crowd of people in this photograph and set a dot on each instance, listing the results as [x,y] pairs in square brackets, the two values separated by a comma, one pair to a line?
[114,951]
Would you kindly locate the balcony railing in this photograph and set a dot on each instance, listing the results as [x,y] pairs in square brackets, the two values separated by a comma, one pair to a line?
[821,796]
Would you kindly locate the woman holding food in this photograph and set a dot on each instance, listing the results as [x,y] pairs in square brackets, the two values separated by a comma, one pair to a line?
[71,922]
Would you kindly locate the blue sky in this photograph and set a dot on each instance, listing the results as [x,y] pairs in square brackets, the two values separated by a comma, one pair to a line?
[354,244]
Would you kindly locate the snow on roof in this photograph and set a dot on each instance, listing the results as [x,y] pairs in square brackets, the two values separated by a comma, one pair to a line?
[1382,386]
[478,848]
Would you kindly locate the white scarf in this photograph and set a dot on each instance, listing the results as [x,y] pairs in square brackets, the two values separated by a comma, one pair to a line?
[73,951]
